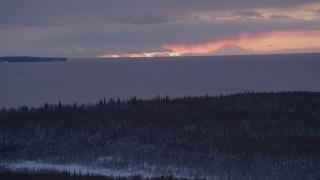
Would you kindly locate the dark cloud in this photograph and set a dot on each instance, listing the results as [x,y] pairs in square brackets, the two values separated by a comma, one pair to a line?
[143,19]
[59,12]
[246,13]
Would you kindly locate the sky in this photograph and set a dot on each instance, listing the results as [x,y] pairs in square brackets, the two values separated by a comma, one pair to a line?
[146,28]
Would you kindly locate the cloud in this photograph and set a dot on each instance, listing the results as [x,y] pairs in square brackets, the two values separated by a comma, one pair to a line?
[245,43]
[143,19]
[257,42]
[280,16]
[99,39]
[82,28]
[41,13]
[246,13]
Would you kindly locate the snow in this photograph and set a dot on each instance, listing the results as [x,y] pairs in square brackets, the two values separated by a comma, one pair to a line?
[78,169]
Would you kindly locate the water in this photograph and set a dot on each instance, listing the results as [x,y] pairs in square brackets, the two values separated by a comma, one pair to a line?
[88,80]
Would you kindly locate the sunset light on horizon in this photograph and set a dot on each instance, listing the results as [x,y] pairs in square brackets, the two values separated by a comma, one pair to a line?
[251,43]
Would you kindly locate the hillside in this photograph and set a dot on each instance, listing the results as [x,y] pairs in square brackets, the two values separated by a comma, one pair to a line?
[250,135]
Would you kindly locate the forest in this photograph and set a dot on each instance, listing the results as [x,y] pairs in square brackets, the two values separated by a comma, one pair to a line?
[246,135]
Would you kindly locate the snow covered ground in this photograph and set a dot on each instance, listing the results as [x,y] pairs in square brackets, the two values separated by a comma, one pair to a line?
[35,166]
[72,168]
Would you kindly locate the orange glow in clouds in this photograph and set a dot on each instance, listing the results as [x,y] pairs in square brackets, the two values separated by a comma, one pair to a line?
[267,42]
[257,42]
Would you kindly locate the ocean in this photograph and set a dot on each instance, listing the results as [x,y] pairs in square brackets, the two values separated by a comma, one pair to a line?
[90,79]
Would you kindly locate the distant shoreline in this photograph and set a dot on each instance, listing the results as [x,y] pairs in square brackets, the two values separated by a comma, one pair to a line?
[24,59]
[165,97]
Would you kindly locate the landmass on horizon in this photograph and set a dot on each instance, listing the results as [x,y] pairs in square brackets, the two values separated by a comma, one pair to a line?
[17,59]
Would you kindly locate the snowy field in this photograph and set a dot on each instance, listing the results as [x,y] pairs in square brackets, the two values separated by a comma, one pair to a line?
[37,166]
[240,136]
[72,168]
